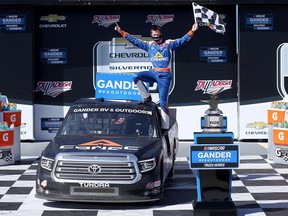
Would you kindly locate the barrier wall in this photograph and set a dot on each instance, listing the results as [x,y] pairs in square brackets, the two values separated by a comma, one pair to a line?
[10,120]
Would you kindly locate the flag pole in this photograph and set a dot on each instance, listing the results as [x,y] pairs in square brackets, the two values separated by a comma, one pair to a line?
[193,12]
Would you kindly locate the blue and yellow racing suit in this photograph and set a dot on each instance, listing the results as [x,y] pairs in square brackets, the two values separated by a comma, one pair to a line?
[161,57]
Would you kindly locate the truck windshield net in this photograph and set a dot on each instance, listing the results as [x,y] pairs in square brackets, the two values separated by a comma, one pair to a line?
[114,124]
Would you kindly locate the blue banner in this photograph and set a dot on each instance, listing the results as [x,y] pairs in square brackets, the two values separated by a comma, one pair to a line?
[13,22]
[52,125]
[214,156]
[259,22]
[213,54]
[53,56]
[116,87]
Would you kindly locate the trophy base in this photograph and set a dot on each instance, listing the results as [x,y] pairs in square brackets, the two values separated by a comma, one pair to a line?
[217,208]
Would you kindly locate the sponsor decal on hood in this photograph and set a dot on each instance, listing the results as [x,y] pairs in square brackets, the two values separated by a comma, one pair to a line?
[100,145]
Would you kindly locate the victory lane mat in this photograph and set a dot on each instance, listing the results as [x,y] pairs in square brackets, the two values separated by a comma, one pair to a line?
[259,187]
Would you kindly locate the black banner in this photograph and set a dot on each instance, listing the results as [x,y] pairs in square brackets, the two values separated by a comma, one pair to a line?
[262,30]
[16,55]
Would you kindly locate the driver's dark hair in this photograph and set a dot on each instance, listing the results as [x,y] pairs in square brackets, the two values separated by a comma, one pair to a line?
[155,28]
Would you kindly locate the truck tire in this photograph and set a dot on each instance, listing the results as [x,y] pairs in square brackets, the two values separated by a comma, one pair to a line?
[172,170]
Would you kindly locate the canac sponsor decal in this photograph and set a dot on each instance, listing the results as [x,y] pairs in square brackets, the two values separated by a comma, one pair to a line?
[101,145]
[105,20]
[160,20]
[54,88]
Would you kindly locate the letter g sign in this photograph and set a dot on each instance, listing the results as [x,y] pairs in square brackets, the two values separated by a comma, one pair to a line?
[281,136]
[13,118]
[275,116]
[5,137]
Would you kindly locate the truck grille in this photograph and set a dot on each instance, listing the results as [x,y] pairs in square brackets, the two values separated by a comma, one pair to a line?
[112,168]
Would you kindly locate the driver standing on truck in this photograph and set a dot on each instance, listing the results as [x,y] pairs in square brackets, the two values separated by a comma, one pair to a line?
[159,51]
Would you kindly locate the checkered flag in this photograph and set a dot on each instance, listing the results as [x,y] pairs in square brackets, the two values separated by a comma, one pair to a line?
[208,17]
[8,157]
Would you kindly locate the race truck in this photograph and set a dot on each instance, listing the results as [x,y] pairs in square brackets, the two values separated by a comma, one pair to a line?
[108,151]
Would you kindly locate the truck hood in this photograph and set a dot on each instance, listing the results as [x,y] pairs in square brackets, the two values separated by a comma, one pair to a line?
[132,145]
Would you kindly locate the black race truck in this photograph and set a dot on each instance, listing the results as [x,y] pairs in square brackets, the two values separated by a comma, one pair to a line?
[108,151]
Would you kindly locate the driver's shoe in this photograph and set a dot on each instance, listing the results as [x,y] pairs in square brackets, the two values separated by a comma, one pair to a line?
[145,100]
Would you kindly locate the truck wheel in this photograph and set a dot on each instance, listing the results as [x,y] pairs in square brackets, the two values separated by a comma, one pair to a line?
[172,170]
[162,179]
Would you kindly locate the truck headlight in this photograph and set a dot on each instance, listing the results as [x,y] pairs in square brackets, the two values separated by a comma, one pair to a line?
[47,163]
[147,165]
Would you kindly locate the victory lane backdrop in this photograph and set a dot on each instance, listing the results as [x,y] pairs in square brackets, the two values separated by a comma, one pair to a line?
[68,33]
[16,58]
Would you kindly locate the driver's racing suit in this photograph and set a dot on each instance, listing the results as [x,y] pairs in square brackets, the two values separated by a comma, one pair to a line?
[161,57]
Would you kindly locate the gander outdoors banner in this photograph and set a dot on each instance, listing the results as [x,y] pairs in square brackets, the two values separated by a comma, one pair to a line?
[116,86]
[214,156]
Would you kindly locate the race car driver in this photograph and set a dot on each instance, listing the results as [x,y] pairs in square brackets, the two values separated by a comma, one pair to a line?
[159,51]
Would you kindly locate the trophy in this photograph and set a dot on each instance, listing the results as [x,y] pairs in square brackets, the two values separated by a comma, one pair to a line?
[213,120]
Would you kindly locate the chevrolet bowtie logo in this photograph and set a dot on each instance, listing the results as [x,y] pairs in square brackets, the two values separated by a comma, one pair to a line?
[257,125]
[52,18]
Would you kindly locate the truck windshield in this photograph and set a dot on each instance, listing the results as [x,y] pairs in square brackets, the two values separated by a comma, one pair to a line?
[114,124]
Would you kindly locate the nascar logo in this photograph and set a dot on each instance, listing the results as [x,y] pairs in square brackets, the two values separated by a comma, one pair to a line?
[214,148]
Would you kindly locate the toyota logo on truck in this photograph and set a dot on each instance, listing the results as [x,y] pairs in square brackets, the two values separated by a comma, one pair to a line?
[94,169]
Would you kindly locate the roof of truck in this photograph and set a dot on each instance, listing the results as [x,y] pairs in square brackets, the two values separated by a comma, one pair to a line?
[118,103]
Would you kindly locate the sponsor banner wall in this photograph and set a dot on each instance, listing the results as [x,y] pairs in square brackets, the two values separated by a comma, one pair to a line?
[16,62]
[73,44]
[262,30]
[51,54]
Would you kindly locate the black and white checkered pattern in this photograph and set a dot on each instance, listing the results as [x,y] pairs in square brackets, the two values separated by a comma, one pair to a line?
[259,188]
[209,18]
